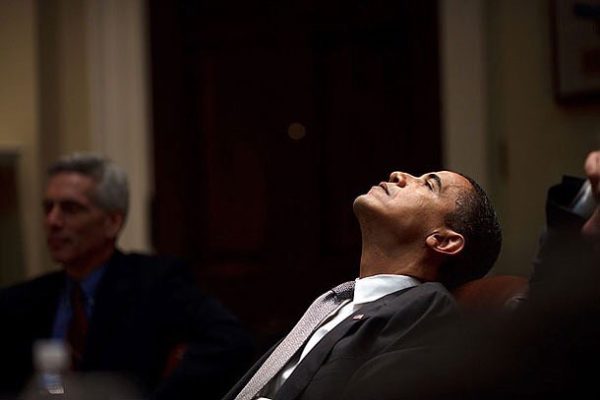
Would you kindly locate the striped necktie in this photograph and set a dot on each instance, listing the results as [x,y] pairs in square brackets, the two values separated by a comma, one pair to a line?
[314,315]
[78,326]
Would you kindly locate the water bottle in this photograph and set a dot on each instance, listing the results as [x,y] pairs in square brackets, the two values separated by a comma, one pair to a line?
[54,380]
[51,363]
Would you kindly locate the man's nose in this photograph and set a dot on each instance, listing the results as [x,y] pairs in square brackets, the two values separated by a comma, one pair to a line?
[399,178]
[53,216]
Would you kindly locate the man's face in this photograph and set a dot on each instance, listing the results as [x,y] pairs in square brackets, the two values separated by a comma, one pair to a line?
[77,230]
[408,205]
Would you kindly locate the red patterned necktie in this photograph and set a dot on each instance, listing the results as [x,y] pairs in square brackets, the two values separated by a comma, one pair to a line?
[78,326]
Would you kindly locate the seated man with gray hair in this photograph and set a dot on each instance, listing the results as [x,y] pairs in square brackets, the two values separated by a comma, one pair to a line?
[119,313]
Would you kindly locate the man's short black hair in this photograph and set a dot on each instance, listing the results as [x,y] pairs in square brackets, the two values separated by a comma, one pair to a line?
[476,219]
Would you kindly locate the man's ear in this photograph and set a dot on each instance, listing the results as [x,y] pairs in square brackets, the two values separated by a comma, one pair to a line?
[446,241]
[113,224]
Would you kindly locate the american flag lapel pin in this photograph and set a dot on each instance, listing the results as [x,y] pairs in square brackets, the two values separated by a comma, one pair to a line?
[358,316]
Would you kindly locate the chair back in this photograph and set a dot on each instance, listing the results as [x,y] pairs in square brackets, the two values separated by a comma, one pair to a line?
[492,293]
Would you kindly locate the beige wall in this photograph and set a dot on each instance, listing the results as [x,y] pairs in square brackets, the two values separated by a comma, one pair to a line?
[19,124]
[534,140]
[464,88]
[501,122]
[65,110]
[58,58]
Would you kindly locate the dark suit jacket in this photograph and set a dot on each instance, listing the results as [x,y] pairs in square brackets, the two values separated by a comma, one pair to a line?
[144,306]
[563,257]
[562,321]
[549,347]
[360,354]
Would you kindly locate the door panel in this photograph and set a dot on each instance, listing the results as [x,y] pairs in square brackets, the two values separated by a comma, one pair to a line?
[266,218]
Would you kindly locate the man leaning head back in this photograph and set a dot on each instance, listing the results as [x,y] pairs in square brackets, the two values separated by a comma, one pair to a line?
[439,226]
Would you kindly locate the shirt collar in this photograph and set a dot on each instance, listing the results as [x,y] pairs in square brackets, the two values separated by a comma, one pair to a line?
[90,283]
[375,287]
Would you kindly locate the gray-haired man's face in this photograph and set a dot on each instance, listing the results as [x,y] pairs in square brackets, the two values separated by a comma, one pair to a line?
[76,228]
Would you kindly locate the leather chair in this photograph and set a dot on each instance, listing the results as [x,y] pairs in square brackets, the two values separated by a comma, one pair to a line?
[496,293]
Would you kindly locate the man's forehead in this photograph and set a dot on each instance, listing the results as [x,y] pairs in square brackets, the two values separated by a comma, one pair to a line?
[71,178]
[452,181]
[69,184]
[452,177]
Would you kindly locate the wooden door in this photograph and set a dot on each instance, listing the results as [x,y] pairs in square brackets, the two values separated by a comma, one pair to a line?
[269,119]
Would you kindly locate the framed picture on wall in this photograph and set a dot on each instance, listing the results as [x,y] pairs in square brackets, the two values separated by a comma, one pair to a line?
[576,46]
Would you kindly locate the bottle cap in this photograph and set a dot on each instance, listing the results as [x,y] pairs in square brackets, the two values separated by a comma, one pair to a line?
[50,355]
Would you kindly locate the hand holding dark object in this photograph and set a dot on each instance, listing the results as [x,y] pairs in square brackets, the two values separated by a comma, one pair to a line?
[591,228]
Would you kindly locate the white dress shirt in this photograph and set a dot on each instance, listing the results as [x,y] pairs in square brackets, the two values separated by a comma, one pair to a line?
[366,290]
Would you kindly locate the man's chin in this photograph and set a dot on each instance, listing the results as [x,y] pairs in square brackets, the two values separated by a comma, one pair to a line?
[359,203]
[60,257]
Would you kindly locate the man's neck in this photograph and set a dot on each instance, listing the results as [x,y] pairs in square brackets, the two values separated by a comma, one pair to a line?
[80,269]
[398,261]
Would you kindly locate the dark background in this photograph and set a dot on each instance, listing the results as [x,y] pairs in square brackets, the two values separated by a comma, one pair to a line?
[264,219]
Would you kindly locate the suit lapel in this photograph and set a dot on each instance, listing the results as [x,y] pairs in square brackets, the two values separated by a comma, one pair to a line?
[112,302]
[48,302]
[305,371]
